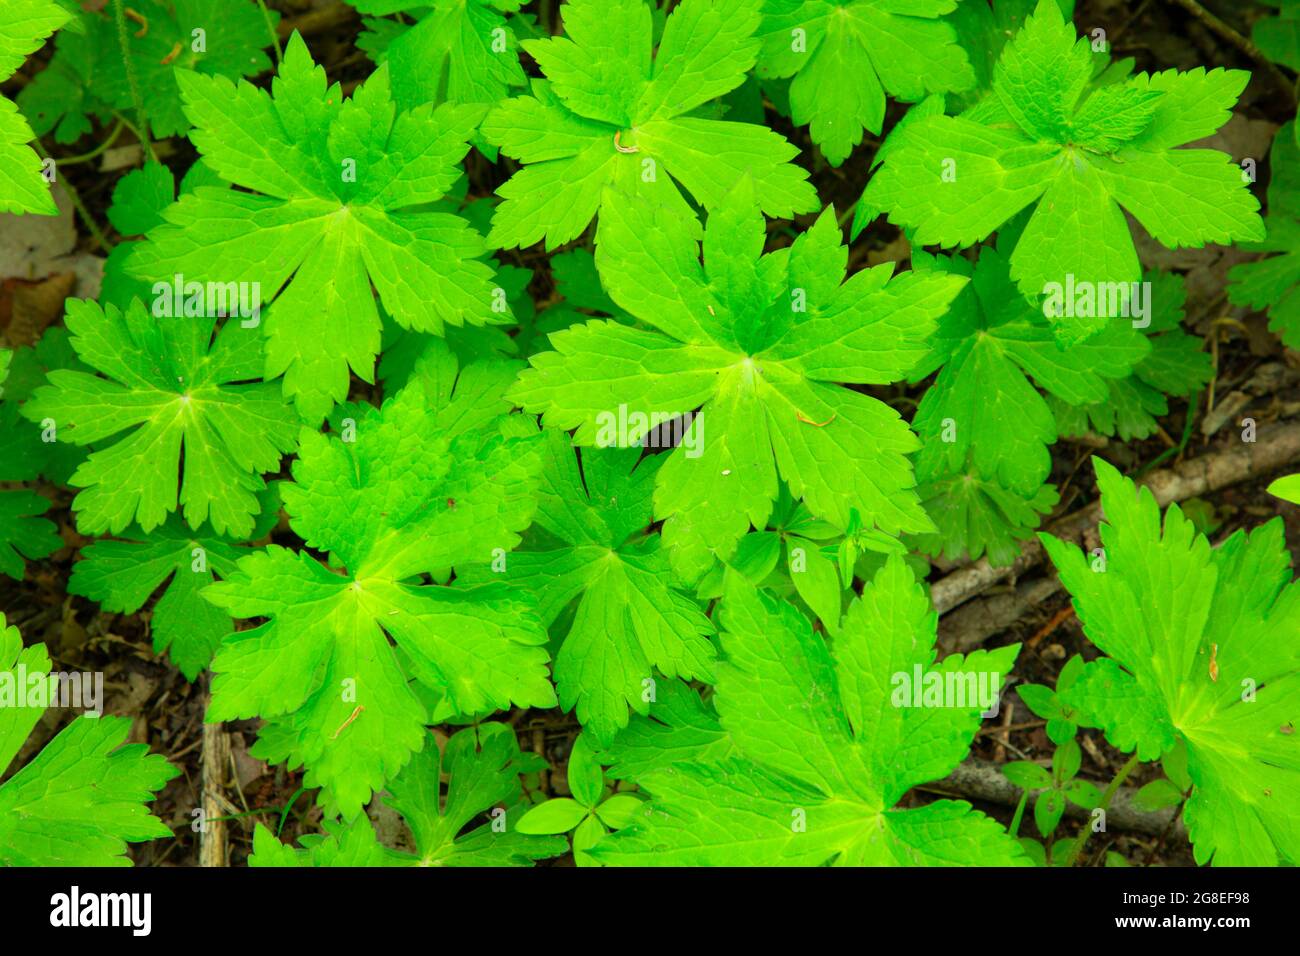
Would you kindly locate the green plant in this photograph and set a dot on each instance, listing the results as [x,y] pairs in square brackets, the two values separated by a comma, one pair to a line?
[331,185]
[823,748]
[1271,282]
[83,797]
[473,382]
[609,115]
[1080,155]
[1196,653]
[24,25]
[482,765]
[845,55]
[590,813]
[757,344]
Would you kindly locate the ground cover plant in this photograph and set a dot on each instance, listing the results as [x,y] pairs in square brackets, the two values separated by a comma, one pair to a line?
[649,433]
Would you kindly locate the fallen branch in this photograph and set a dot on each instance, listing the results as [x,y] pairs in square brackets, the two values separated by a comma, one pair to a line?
[967,627]
[1242,43]
[214,844]
[1276,446]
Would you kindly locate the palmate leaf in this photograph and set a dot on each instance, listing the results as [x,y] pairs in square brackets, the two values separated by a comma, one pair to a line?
[983,30]
[986,429]
[482,765]
[845,55]
[1201,648]
[25,455]
[458,51]
[1079,161]
[64,97]
[1273,283]
[630,624]
[169,389]
[612,119]
[823,754]
[121,575]
[758,344]
[212,37]
[992,348]
[679,728]
[978,516]
[1177,365]
[24,533]
[83,797]
[87,75]
[329,210]
[24,25]
[429,483]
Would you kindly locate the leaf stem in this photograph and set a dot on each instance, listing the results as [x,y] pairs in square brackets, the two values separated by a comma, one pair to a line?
[1106,797]
[80,206]
[1181,447]
[119,14]
[98,150]
[270,28]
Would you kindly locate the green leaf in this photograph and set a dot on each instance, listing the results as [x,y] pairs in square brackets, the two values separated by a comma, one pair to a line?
[25,452]
[1066,760]
[1157,795]
[482,766]
[586,780]
[1083,794]
[554,816]
[68,94]
[991,345]
[24,533]
[326,210]
[1040,699]
[24,25]
[845,56]
[84,796]
[823,758]
[620,810]
[816,579]
[1278,38]
[139,197]
[121,575]
[985,425]
[760,345]
[680,728]
[631,620]
[169,389]
[458,51]
[1273,283]
[610,122]
[1175,365]
[424,485]
[1197,653]
[225,38]
[1287,488]
[1080,160]
[1027,775]
[1048,809]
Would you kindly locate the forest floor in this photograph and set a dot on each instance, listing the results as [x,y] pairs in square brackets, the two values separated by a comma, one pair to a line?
[1255,378]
